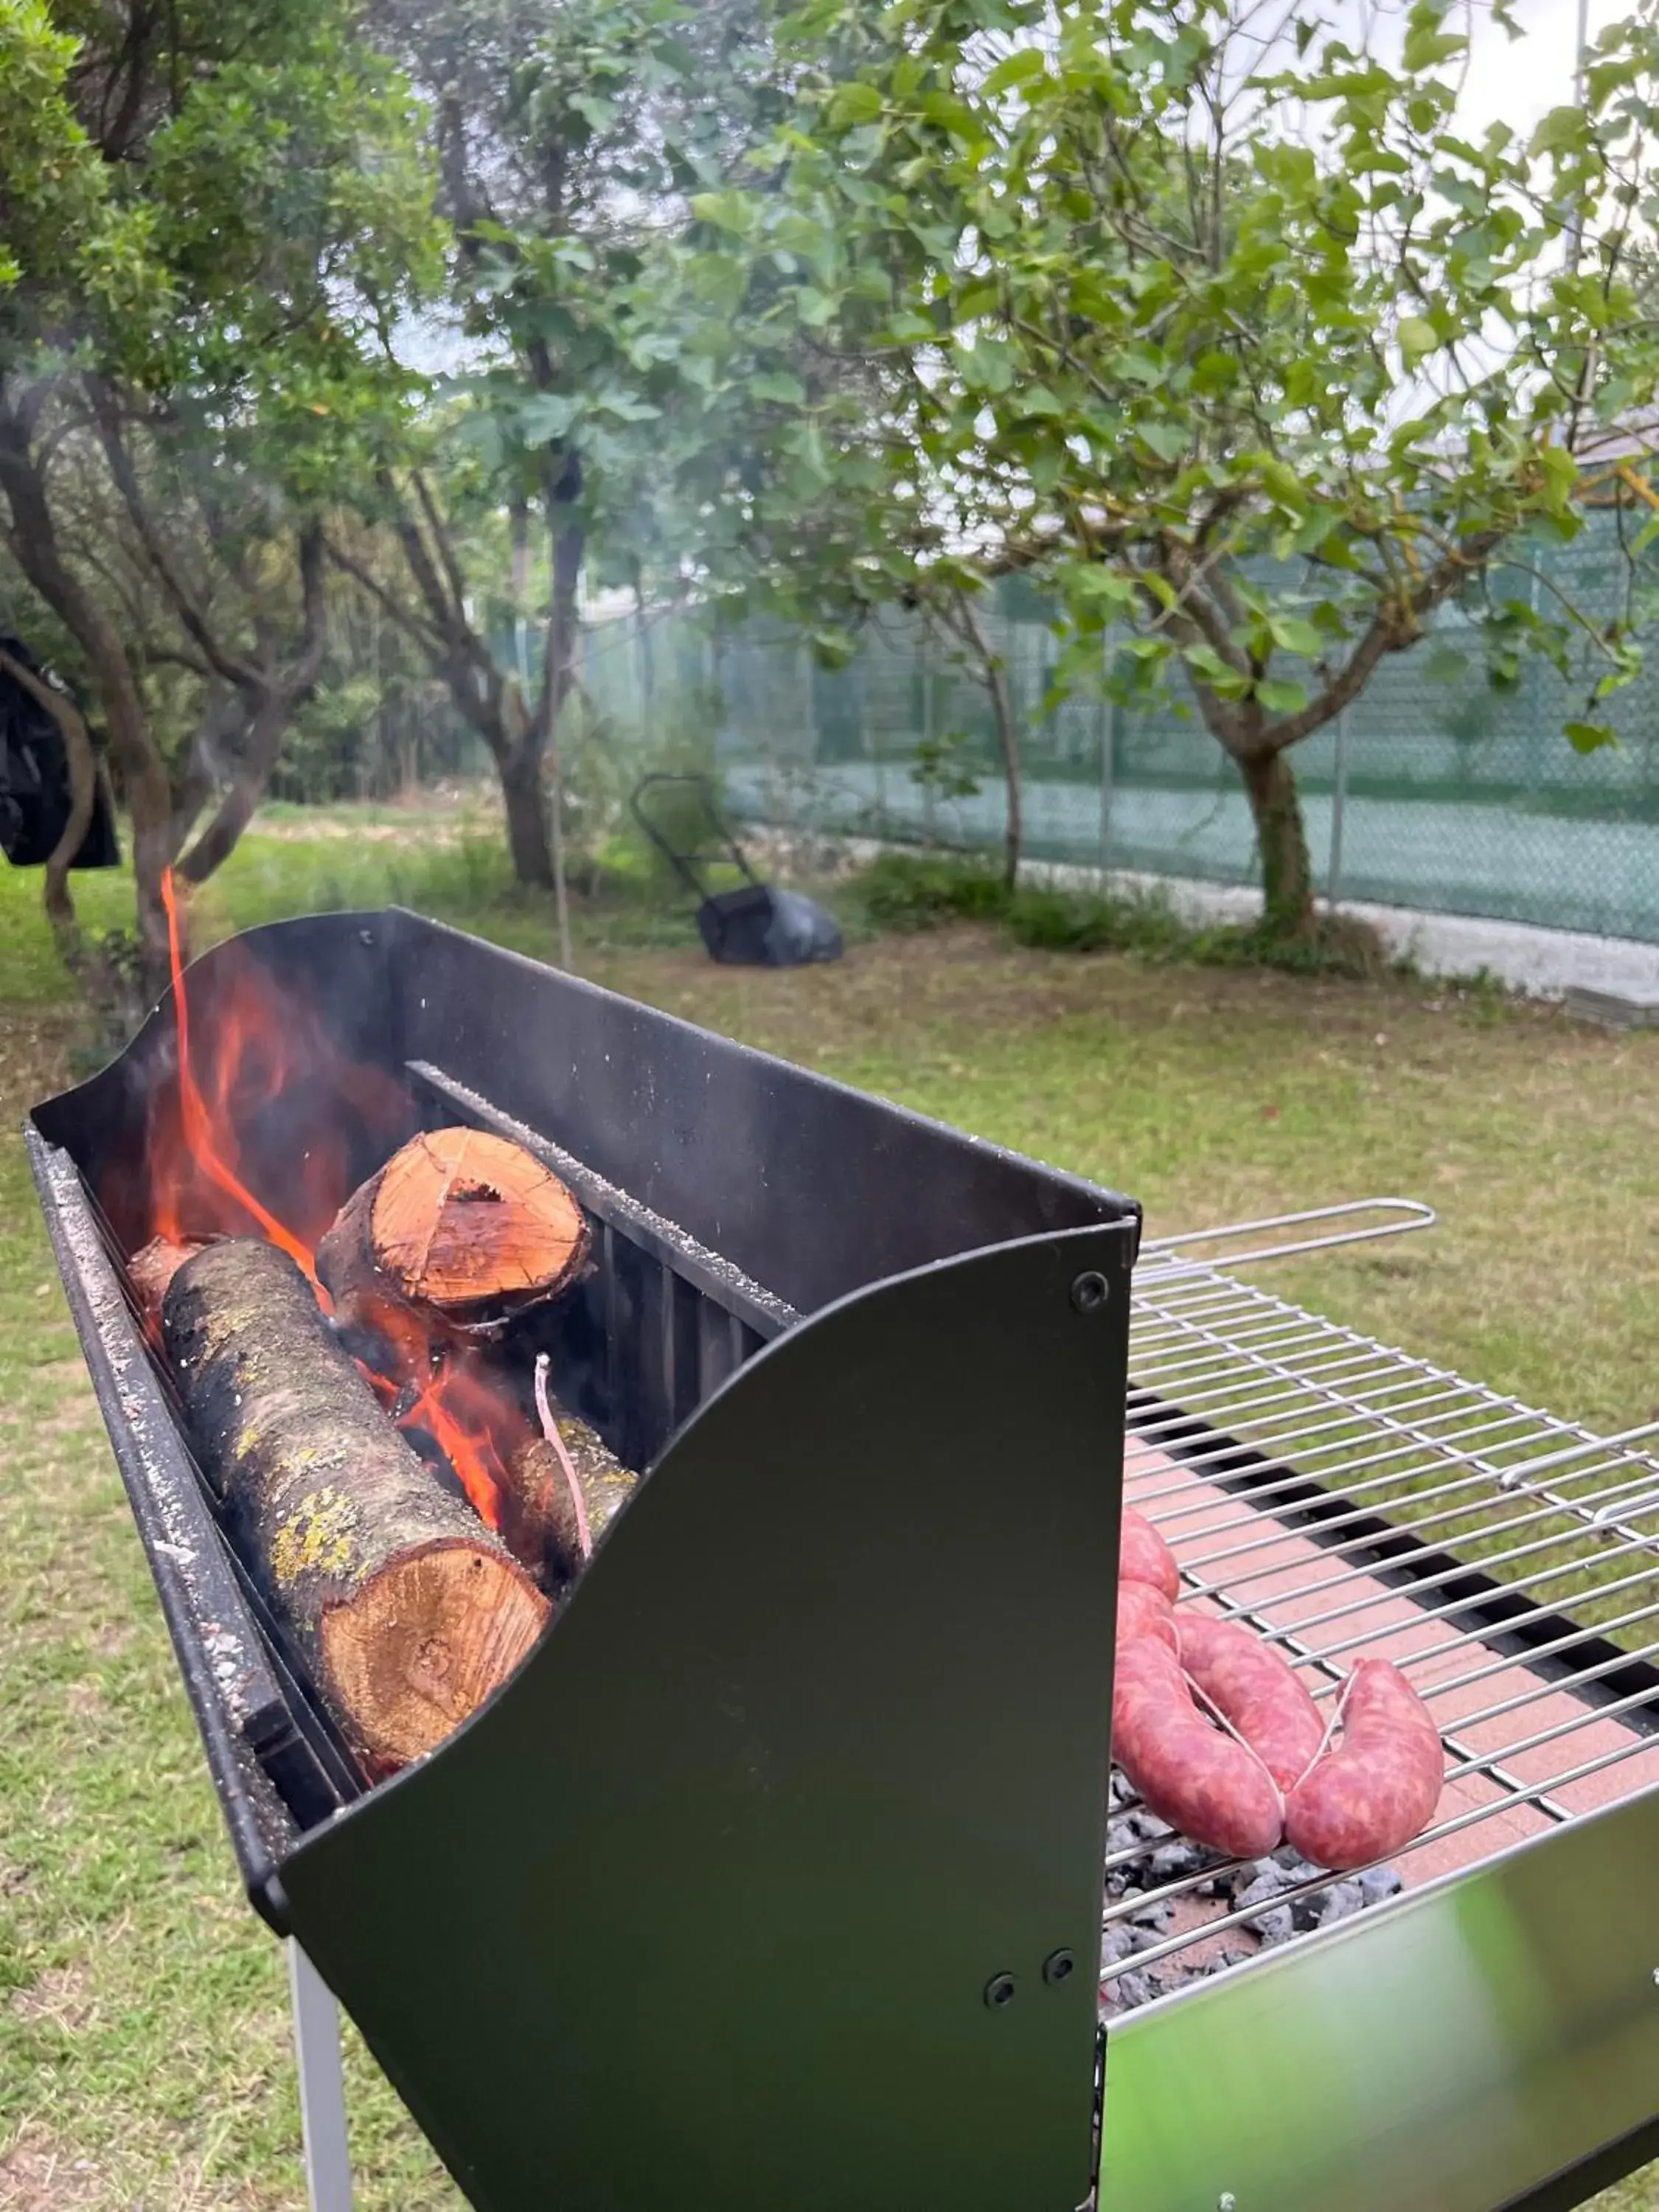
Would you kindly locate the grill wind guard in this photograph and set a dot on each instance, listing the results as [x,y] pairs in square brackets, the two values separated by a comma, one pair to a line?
[703,1906]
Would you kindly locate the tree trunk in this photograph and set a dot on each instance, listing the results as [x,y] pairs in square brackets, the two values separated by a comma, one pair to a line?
[218,840]
[559,677]
[520,768]
[1281,840]
[994,673]
[1002,710]
[32,539]
[273,704]
[407,1612]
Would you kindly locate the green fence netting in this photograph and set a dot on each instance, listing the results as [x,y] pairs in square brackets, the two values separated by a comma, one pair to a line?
[1435,791]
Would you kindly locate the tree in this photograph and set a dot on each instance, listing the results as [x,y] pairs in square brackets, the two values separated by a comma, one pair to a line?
[567,138]
[1212,321]
[208,209]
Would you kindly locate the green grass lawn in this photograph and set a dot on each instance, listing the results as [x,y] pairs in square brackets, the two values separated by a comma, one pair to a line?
[142,2035]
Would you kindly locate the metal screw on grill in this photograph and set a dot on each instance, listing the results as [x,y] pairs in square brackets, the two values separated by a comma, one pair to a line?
[999,1991]
[1058,1967]
[1089,1292]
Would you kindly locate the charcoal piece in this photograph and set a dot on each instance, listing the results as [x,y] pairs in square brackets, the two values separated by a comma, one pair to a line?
[1305,1911]
[1116,1944]
[1378,1884]
[1275,1926]
[1130,1990]
[1143,1939]
[1175,1861]
[1271,1881]
[1291,1862]
[1158,1915]
[1340,1903]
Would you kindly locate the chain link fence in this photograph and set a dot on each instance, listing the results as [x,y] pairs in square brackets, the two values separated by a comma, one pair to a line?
[1434,791]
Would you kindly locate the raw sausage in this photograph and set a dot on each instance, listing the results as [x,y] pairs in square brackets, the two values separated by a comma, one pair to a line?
[1378,1786]
[1253,1688]
[1144,1557]
[1212,1788]
[1143,1610]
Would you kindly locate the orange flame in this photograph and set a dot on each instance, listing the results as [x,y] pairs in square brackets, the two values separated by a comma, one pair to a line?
[473,1426]
[192,1164]
[262,1044]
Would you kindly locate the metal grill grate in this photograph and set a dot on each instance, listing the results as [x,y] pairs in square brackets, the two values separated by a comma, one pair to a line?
[1344,1499]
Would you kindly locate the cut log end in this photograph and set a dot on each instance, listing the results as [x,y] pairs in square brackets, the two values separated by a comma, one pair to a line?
[463,1219]
[424,1641]
[151,1272]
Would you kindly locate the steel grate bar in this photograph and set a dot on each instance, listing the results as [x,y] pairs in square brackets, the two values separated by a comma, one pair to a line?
[1343,1497]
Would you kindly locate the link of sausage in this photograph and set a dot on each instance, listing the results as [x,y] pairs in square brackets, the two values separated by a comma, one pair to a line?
[1144,1557]
[1379,1785]
[1255,1691]
[1143,1610]
[1212,1788]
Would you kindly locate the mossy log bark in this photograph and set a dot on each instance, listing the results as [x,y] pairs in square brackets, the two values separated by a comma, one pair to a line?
[407,1611]
[458,1226]
[540,1522]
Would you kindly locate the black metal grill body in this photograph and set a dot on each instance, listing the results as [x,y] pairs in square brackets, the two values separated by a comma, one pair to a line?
[705,1906]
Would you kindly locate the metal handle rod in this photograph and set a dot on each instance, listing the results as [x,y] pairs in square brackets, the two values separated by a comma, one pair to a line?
[1411,1212]
[322,2085]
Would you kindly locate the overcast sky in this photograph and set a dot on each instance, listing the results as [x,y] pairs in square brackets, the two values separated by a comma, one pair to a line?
[1519,80]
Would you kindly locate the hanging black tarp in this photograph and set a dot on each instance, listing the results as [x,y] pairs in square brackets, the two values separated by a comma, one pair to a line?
[34,779]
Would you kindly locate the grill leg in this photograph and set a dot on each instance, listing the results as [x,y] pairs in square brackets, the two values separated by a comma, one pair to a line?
[322,2085]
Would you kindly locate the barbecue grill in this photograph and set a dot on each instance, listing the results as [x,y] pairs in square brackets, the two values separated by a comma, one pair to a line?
[775,1874]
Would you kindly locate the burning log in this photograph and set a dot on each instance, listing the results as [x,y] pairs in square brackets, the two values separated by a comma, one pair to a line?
[407,1610]
[562,1490]
[153,1270]
[459,1224]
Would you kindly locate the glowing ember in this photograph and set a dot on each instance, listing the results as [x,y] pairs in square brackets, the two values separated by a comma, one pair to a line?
[263,1046]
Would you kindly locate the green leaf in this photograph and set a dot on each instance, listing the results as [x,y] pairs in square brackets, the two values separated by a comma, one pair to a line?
[1291,634]
[728,211]
[1561,129]
[1590,737]
[1282,698]
[855,106]
[1417,338]
[547,416]
[1018,68]
[1426,46]
[1169,440]
[779,385]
